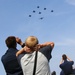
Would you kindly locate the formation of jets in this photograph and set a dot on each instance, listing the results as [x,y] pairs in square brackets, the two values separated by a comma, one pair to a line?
[40,12]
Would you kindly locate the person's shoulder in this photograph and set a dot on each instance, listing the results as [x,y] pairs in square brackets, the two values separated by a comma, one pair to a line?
[21,55]
[70,61]
[2,57]
[46,48]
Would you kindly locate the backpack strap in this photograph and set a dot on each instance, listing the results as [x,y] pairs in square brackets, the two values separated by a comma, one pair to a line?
[35,63]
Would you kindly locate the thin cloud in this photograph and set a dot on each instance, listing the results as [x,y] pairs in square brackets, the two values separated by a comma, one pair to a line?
[72,2]
[66,42]
[61,13]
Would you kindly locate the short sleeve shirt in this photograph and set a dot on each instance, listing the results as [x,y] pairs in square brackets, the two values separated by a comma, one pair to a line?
[27,62]
[67,66]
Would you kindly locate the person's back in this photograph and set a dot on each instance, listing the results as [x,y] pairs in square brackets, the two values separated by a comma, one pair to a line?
[42,63]
[9,59]
[66,65]
[43,57]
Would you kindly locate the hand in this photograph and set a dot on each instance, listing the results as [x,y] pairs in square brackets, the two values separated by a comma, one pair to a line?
[18,40]
[26,49]
[17,54]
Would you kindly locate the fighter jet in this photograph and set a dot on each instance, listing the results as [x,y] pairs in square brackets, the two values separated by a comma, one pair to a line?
[38,7]
[41,18]
[29,15]
[34,11]
[52,11]
[44,8]
[39,12]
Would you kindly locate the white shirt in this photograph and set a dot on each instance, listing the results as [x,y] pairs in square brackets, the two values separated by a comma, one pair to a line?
[27,63]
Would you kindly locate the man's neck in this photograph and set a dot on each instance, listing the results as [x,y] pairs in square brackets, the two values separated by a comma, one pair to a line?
[29,51]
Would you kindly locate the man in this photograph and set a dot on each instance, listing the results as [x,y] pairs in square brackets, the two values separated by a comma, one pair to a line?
[66,64]
[43,56]
[9,59]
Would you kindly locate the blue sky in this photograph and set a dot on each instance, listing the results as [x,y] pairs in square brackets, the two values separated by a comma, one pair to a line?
[57,26]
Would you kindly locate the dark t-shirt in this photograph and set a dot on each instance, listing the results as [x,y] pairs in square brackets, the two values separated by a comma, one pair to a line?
[46,51]
[10,62]
[67,67]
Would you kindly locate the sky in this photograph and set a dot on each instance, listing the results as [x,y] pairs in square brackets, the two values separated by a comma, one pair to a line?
[57,26]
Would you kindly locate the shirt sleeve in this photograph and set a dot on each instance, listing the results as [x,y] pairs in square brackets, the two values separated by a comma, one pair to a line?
[72,62]
[19,58]
[47,52]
